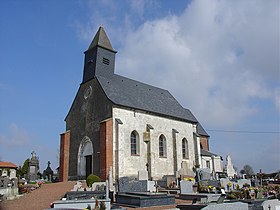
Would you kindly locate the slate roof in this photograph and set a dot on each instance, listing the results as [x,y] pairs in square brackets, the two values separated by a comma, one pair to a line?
[201,131]
[207,153]
[131,93]
[101,39]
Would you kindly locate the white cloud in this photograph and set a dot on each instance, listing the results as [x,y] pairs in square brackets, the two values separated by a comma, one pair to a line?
[218,58]
[215,57]
[15,137]
[118,18]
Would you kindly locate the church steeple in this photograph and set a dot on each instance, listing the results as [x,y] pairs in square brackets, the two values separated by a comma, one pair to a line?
[101,39]
[99,57]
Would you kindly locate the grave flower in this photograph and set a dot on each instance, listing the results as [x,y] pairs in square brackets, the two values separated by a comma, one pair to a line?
[210,187]
[40,183]
[202,188]
[237,186]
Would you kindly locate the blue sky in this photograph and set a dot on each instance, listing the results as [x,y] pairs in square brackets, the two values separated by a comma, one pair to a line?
[220,59]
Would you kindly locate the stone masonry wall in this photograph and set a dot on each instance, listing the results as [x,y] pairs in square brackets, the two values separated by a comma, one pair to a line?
[129,165]
[83,120]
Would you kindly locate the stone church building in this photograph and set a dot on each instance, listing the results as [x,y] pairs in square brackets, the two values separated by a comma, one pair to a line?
[119,124]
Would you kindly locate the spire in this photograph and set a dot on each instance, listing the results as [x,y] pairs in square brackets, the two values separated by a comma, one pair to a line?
[101,39]
[99,57]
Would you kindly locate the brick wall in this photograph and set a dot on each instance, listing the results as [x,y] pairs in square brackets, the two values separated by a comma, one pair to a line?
[64,156]
[204,143]
[106,148]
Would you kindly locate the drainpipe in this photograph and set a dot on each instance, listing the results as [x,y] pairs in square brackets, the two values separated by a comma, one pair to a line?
[118,122]
[213,166]
[147,139]
[175,159]
[196,150]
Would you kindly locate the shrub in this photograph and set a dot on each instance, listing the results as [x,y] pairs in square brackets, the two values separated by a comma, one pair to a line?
[91,179]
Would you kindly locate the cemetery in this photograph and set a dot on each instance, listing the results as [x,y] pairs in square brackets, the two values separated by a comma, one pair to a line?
[126,153]
[13,186]
[93,196]
[150,152]
[204,190]
[208,192]
[8,181]
[139,192]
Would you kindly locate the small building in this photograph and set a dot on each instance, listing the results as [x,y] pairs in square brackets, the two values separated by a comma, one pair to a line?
[8,169]
[8,180]
[212,161]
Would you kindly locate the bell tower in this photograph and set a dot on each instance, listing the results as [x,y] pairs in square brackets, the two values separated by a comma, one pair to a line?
[99,57]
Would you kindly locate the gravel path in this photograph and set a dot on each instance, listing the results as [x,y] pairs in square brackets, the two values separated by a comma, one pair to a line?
[38,199]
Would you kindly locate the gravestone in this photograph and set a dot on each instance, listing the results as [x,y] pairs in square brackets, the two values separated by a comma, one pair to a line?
[226,183]
[143,175]
[171,181]
[214,183]
[185,169]
[33,167]
[127,184]
[4,173]
[14,182]
[242,182]
[48,173]
[8,187]
[137,193]
[98,186]
[151,186]
[227,206]
[273,204]
[229,167]
[186,187]
[13,173]
[78,187]
[204,174]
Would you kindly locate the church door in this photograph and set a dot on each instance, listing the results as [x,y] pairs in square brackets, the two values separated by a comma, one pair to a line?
[88,165]
[85,158]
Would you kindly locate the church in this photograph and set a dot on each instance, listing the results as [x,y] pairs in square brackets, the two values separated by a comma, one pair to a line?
[120,126]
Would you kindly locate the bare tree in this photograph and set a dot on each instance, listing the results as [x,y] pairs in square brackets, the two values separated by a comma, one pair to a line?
[248,170]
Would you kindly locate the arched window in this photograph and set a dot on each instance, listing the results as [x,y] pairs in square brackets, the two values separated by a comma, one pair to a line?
[185,149]
[134,143]
[162,146]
